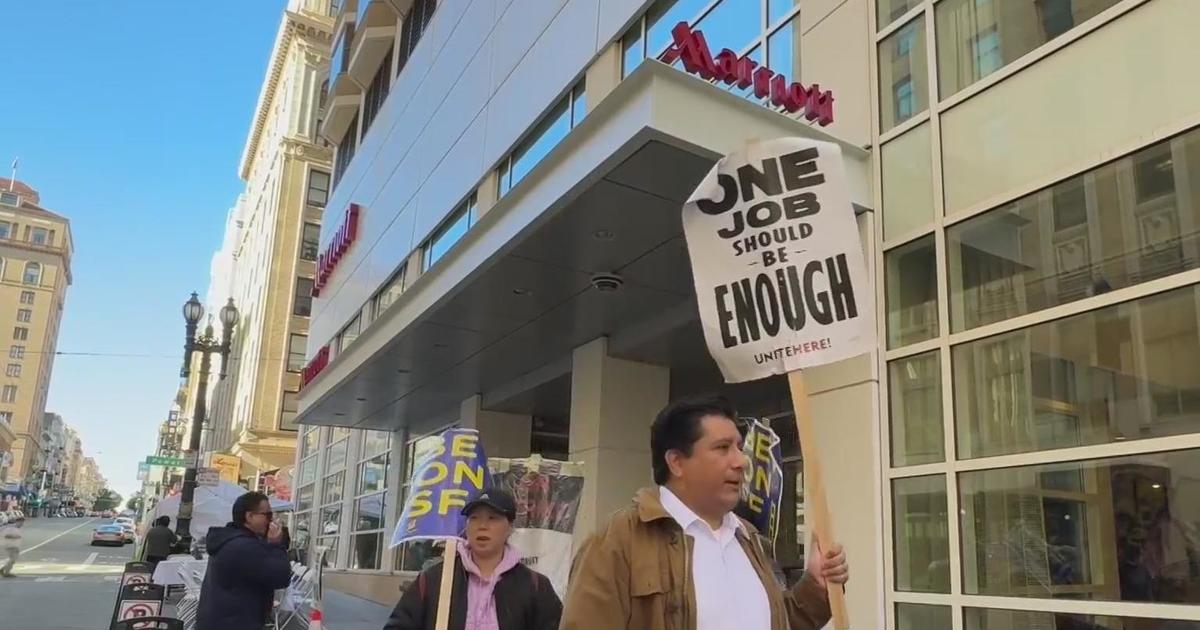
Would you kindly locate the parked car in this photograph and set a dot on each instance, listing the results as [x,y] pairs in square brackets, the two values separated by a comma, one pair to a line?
[111,534]
[126,524]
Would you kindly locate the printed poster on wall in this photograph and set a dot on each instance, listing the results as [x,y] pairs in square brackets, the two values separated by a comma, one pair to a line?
[547,495]
[778,266]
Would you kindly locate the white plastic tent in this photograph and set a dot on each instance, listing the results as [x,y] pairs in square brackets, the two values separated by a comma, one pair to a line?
[212,507]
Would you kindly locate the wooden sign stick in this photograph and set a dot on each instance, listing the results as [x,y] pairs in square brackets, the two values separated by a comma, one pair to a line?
[816,505]
[447,586]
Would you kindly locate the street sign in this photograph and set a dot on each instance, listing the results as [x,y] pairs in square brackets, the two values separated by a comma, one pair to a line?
[208,476]
[177,462]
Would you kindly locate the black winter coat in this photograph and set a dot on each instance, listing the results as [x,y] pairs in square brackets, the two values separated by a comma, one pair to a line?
[243,573]
[525,600]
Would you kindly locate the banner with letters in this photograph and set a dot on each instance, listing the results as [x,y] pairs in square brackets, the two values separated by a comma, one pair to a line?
[776,259]
[547,493]
[447,474]
[762,491]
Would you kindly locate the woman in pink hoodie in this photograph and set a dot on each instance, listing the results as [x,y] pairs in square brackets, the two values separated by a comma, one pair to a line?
[493,590]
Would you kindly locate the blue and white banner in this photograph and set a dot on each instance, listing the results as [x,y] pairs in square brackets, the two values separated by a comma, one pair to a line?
[447,474]
[762,491]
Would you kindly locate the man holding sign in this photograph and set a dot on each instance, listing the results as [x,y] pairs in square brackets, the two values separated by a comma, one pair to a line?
[679,558]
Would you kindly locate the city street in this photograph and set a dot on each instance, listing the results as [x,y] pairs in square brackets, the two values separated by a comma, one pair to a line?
[62,581]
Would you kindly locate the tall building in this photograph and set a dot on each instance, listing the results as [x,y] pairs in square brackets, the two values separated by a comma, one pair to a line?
[35,271]
[267,263]
[1022,447]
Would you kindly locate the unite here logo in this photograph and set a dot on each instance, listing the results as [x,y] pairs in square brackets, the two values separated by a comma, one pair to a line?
[690,46]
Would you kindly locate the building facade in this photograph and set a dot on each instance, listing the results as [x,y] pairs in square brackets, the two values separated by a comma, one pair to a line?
[35,272]
[1014,167]
[267,261]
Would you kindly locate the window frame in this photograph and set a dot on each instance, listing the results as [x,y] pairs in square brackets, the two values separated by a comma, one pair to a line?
[311,189]
[300,297]
[310,248]
[35,279]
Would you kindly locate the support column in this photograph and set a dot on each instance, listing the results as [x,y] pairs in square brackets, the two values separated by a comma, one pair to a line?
[613,402]
[503,434]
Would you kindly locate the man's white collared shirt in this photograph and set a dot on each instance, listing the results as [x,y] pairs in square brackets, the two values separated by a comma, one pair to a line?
[729,593]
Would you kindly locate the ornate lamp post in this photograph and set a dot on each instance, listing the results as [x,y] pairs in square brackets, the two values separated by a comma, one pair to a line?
[206,344]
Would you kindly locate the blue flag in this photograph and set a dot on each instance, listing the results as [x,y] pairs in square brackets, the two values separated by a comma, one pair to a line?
[763,488]
[447,474]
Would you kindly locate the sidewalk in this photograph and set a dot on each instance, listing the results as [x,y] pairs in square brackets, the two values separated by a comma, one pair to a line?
[347,612]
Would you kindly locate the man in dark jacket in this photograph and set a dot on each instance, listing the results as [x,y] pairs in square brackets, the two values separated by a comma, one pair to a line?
[159,540]
[246,564]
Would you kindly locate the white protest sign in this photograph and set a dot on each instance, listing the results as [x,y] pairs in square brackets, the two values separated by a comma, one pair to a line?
[777,262]
[208,476]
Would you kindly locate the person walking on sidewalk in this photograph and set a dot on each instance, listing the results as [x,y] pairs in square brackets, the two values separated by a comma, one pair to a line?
[246,565]
[160,540]
[10,545]
[492,589]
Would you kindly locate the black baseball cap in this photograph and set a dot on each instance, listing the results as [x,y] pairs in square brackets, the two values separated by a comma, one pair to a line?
[496,499]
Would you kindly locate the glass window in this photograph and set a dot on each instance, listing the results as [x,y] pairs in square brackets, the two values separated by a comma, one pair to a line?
[412,29]
[297,346]
[287,415]
[6,417]
[6,229]
[308,471]
[377,92]
[26,296]
[924,617]
[337,456]
[368,512]
[1119,529]
[327,548]
[1125,372]
[10,394]
[372,474]
[332,489]
[634,50]
[779,9]
[783,50]
[350,332]
[733,24]
[903,75]
[390,292]
[303,299]
[911,292]
[39,236]
[345,151]
[1084,236]
[21,333]
[366,551]
[310,241]
[915,392]
[16,352]
[748,91]
[318,193]
[13,370]
[24,315]
[907,182]
[578,105]
[888,11]
[375,442]
[450,233]
[920,523]
[337,433]
[308,445]
[33,273]
[978,37]
[331,520]
[304,498]
[663,17]
[997,619]
[549,132]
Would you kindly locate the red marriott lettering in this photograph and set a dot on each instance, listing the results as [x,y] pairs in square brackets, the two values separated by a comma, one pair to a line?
[329,259]
[315,367]
[744,72]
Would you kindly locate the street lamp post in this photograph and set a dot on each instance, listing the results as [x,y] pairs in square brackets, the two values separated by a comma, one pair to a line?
[206,344]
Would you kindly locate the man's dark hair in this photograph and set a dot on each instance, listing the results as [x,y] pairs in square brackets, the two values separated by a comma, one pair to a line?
[163,521]
[246,504]
[677,427]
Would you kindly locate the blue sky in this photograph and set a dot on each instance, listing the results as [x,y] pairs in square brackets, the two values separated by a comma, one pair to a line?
[129,118]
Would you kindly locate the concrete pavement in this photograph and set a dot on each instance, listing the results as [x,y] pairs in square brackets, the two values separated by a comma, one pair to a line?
[62,582]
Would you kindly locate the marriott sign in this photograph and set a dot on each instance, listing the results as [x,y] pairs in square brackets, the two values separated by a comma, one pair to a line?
[690,46]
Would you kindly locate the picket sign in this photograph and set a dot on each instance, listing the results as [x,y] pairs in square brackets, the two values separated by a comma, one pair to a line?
[780,282]
[449,557]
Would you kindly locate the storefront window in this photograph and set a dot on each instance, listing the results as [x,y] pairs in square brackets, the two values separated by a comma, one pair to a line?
[915,392]
[1116,226]
[304,498]
[978,37]
[333,488]
[888,11]
[993,619]
[924,617]
[366,551]
[1120,529]
[903,75]
[920,522]
[1126,372]
[911,292]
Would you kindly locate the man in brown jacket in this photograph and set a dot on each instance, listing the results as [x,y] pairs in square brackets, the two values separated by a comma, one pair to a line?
[678,559]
